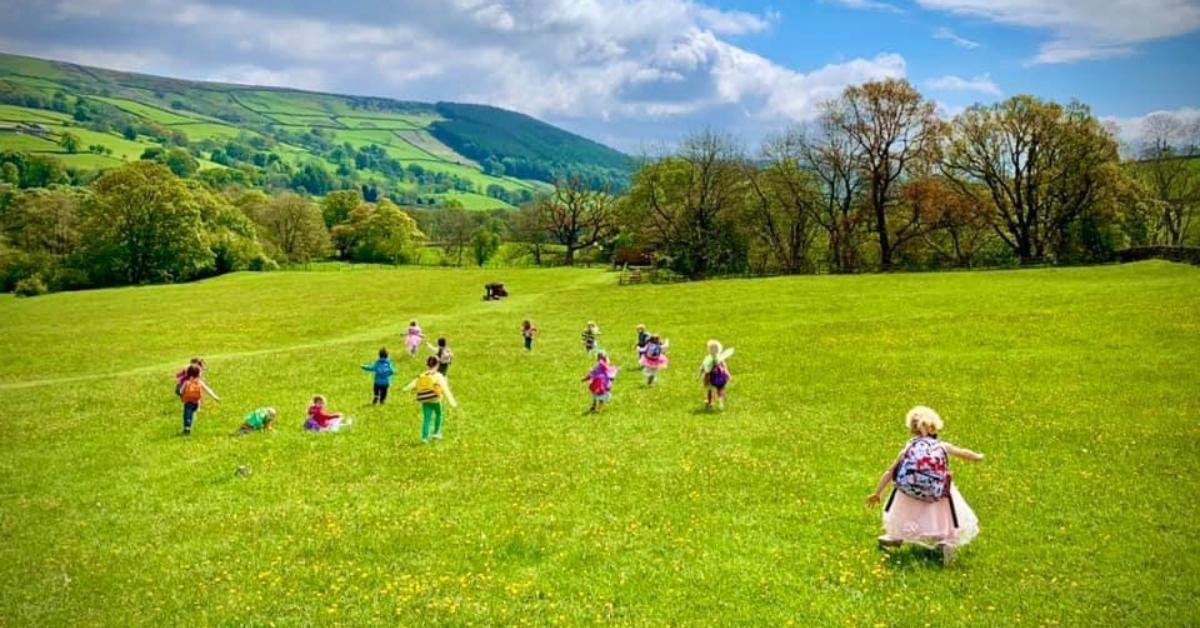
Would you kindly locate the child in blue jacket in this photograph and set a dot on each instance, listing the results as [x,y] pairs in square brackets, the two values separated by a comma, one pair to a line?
[382,368]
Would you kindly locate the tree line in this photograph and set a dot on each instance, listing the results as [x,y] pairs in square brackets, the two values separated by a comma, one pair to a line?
[880,181]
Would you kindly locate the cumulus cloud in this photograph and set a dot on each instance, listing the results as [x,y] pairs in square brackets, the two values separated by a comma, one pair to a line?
[566,60]
[1084,29]
[982,84]
[1179,127]
[873,5]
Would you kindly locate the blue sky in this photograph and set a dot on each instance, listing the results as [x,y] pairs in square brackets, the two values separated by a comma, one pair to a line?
[639,74]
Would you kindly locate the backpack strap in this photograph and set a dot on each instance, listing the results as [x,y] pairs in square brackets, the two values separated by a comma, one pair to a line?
[950,498]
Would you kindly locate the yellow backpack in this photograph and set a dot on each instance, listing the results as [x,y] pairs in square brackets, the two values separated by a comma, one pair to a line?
[428,388]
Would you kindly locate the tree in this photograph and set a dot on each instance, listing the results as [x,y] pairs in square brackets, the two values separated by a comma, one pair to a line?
[684,205]
[486,241]
[69,142]
[337,206]
[141,225]
[180,162]
[576,216]
[528,227]
[960,221]
[10,173]
[455,227]
[293,224]
[383,233]
[783,203]
[1042,164]
[895,131]
[44,221]
[1167,172]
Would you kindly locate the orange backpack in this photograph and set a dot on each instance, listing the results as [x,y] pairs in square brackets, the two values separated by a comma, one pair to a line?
[190,391]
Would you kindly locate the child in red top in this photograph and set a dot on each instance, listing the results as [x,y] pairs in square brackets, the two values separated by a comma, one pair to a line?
[322,420]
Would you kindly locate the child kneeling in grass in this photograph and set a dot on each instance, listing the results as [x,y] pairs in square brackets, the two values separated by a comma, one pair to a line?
[321,420]
[432,386]
[925,507]
[257,421]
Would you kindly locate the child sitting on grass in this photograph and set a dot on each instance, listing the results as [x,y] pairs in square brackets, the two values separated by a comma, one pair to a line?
[715,373]
[600,381]
[257,421]
[925,507]
[321,420]
[382,368]
[432,386]
[191,390]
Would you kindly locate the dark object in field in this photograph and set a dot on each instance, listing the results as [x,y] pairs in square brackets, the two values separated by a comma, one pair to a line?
[494,292]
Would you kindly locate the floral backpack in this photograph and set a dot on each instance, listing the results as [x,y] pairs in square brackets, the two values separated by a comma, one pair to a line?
[923,471]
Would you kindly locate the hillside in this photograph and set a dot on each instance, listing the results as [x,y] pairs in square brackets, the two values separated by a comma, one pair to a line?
[422,153]
[1081,386]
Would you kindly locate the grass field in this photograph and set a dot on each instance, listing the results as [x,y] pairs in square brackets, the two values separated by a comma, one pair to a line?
[1082,386]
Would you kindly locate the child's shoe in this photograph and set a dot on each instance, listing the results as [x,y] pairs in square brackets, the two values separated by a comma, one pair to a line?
[424,441]
[886,542]
[437,436]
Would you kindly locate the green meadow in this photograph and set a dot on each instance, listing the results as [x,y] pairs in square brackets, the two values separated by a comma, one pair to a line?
[1081,386]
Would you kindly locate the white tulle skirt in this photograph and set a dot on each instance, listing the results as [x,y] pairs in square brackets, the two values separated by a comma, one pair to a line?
[930,523]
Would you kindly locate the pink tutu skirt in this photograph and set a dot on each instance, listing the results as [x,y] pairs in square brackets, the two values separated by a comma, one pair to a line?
[930,523]
[413,343]
[654,363]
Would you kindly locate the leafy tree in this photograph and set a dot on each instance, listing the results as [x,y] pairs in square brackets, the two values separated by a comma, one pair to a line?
[577,217]
[685,205]
[69,142]
[528,227]
[379,233]
[784,204]
[293,224]
[10,173]
[486,241]
[314,178]
[141,225]
[455,227]
[1043,166]
[1167,171]
[180,162]
[337,206]
[895,131]
[43,220]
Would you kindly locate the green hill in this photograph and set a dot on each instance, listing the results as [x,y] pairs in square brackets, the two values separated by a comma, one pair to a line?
[421,153]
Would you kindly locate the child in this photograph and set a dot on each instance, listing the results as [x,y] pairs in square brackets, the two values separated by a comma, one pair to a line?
[642,338]
[321,420]
[715,372]
[590,331]
[182,374]
[432,386]
[260,419]
[600,381]
[413,338]
[653,357]
[382,368]
[528,331]
[925,506]
[443,354]
[191,391]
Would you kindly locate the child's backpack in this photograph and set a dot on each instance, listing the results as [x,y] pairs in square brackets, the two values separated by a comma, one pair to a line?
[654,350]
[445,356]
[923,472]
[190,390]
[718,376]
[428,388]
[598,385]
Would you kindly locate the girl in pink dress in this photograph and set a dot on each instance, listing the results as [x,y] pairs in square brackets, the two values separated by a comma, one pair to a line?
[925,507]
[653,357]
[413,339]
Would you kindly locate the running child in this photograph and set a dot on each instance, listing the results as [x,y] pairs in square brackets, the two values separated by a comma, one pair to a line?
[382,368]
[257,421]
[715,373]
[182,374]
[600,380]
[642,337]
[590,332]
[432,387]
[443,354]
[528,331]
[322,420]
[653,357]
[925,507]
[413,338]
[191,391]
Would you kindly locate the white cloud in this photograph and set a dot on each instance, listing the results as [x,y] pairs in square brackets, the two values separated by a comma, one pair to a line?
[1085,29]
[872,5]
[1134,133]
[949,35]
[566,59]
[950,83]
